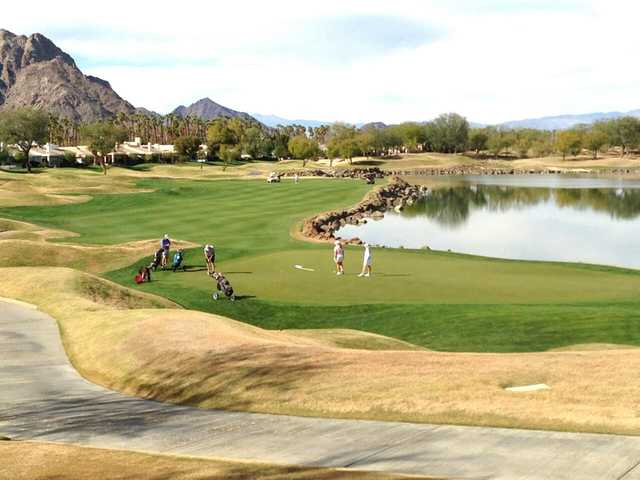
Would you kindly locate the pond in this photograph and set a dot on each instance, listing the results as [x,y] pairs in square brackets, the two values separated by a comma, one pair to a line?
[588,220]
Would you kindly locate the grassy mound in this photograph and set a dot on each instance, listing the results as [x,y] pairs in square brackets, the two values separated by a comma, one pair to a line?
[24,245]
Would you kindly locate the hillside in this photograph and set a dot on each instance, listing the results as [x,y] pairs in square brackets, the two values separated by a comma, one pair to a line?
[207,109]
[274,121]
[34,72]
[561,122]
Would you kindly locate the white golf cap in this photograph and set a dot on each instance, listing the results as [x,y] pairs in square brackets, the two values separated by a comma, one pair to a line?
[166,235]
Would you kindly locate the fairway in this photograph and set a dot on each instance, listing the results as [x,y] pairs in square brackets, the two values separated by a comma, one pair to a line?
[437,300]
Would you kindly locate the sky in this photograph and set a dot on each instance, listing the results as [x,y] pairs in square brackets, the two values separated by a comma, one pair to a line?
[354,60]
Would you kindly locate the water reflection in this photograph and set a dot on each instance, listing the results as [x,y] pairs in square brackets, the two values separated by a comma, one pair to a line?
[590,223]
[451,207]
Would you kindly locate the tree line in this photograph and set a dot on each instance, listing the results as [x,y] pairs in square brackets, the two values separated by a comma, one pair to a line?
[230,139]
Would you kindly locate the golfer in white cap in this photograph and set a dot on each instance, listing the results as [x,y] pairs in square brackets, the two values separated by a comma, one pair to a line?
[338,257]
[165,243]
[366,263]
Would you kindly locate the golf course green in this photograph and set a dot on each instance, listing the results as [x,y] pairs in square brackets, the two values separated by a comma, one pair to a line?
[438,300]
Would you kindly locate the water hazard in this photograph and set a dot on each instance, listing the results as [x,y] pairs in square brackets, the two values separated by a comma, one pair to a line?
[589,220]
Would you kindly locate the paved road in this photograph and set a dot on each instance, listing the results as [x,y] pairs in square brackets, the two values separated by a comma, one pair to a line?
[43,398]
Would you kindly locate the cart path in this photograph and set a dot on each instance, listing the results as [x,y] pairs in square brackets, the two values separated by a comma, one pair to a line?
[43,398]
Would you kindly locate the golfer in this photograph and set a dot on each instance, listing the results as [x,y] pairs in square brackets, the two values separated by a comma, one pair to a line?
[165,244]
[210,257]
[366,263]
[338,257]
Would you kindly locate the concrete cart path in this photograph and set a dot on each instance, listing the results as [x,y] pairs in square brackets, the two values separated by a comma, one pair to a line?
[43,398]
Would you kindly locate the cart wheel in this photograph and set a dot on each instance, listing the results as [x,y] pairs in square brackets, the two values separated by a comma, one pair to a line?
[215,295]
[232,298]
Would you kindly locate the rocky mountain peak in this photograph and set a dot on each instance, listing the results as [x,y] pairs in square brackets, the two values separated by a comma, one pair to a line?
[207,109]
[34,72]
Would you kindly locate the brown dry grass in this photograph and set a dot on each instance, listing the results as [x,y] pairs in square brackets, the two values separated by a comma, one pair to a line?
[345,338]
[209,361]
[49,461]
[24,244]
[439,160]
[55,187]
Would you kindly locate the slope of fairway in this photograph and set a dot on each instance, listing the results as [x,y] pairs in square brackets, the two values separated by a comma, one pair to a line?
[436,300]
[142,345]
[238,216]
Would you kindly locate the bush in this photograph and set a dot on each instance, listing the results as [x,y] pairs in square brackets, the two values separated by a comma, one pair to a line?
[5,158]
[20,159]
[187,147]
[69,160]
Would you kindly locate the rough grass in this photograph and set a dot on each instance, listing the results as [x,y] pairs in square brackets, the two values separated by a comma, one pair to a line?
[438,160]
[208,361]
[345,338]
[23,244]
[48,461]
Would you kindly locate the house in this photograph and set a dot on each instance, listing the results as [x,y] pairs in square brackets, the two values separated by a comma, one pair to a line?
[52,155]
[48,154]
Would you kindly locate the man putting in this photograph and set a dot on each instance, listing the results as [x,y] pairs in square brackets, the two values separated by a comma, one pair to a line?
[210,258]
[338,257]
[366,262]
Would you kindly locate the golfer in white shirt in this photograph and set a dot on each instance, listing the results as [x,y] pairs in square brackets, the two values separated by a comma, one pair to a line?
[366,263]
[338,257]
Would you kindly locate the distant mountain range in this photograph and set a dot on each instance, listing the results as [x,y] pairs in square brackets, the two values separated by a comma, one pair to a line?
[274,121]
[562,122]
[34,72]
[559,122]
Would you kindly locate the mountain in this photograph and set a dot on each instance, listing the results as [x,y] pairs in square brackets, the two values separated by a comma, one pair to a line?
[207,109]
[34,72]
[562,122]
[274,121]
[373,126]
[147,112]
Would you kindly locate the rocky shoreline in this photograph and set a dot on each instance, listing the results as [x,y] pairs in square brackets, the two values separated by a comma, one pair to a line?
[395,195]
[460,171]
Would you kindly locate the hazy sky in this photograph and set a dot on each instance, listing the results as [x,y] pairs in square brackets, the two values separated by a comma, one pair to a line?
[354,60]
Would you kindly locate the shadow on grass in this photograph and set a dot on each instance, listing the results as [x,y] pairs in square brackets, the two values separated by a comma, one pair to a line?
[221,380]
[226,380]
[142,167]
[371,163]
[21,171]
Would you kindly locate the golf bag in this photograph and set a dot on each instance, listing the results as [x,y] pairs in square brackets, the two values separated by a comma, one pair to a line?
[223,286]
[157,260]
[178,259]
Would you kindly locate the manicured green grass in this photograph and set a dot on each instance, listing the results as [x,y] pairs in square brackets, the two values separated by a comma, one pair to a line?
[437,300]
